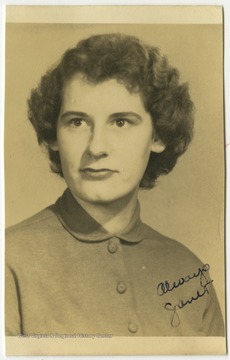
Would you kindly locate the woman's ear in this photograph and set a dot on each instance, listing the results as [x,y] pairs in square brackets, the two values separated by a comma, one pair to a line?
[157,145]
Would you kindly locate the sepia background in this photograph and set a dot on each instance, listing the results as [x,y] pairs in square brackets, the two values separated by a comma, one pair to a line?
[188,204]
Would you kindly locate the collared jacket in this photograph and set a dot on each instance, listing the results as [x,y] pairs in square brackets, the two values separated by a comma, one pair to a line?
[65,274]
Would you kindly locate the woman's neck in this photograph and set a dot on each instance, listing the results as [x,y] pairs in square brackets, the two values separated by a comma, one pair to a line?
[114,216]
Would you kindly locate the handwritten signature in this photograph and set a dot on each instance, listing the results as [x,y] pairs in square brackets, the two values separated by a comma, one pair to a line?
[165,287]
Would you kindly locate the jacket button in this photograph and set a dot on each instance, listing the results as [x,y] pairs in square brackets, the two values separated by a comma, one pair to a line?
[133,327]
[121,287]
[112,247]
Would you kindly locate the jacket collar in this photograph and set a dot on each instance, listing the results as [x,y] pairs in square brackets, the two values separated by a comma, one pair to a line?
[83,227]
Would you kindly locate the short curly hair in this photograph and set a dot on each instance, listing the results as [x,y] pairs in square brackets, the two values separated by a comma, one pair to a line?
[141,69]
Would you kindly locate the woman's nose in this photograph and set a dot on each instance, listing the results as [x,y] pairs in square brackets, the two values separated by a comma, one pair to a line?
[98,142]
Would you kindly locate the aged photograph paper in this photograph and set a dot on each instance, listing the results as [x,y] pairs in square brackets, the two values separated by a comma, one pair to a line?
[114,180]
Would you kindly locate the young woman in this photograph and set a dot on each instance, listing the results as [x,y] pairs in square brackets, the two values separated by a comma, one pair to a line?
[113,118]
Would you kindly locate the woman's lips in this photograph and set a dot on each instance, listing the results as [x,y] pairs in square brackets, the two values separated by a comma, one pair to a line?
[97,174]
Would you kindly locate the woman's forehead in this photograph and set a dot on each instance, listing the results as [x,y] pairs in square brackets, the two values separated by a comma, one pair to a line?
[78,91]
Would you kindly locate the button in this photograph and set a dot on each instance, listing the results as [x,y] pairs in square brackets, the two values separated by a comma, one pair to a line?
[133,328]
[112,247]
[121,287]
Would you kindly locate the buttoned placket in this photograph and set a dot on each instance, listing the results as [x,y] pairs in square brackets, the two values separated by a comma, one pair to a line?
[122,286]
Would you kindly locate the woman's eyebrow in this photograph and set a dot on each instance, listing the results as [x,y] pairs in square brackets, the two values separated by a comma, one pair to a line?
[126,114]
[75,113]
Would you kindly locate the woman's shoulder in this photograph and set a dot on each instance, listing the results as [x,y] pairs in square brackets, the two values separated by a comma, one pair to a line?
[30,232]
[31,223]
[171,252]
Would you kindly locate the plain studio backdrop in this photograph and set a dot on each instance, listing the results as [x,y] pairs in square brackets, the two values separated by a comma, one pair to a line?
[187,204]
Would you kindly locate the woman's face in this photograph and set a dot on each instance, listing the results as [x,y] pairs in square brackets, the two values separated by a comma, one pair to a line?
[104,137]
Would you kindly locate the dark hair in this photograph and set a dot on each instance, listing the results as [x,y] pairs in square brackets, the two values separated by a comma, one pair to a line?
[140,68]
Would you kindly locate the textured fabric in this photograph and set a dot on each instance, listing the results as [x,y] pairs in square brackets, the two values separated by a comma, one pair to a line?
[65,274]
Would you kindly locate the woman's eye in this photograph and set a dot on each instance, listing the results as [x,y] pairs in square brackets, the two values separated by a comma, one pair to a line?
[76,122]
[120,122]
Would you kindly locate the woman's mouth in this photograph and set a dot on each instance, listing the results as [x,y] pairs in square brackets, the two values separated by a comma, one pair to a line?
[97,174]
